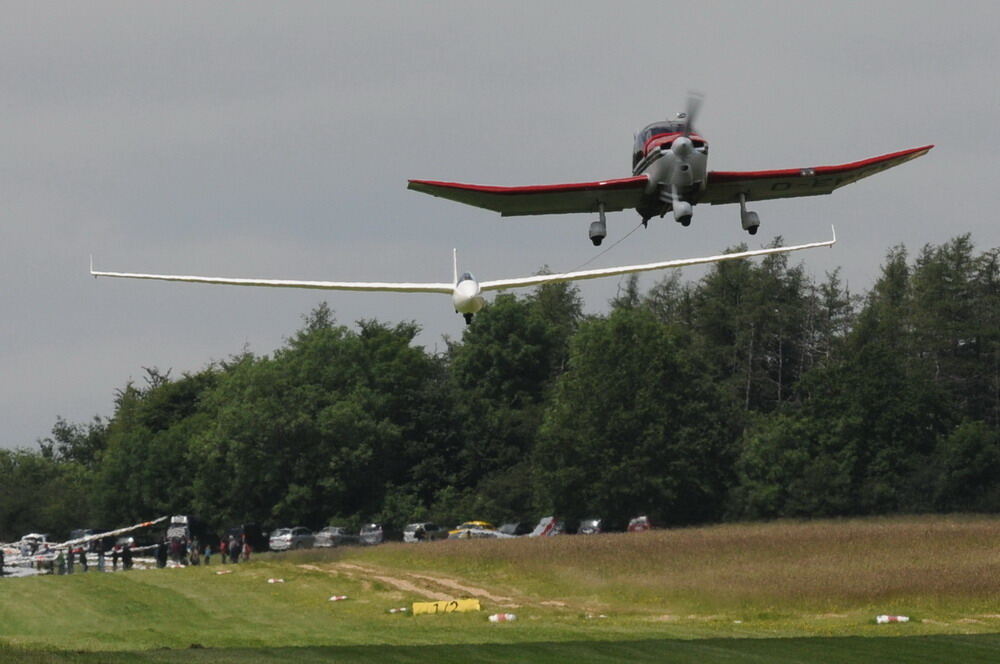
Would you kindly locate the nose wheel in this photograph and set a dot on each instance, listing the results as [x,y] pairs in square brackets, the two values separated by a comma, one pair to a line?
[749,220]
[599,228]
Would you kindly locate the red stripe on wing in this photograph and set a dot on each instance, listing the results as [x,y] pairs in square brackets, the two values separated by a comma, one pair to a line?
[728,176]
[621,183]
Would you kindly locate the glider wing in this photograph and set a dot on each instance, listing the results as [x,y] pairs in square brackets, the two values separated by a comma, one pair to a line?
[540,279]
[287,283]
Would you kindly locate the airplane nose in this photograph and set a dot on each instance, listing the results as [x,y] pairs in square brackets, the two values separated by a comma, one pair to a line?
[682,147]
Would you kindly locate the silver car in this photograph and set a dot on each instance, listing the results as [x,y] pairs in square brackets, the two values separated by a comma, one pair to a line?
[298,537]
[335,536]
[424,532]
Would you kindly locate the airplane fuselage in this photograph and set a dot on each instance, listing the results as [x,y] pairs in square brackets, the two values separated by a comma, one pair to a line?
[677,166]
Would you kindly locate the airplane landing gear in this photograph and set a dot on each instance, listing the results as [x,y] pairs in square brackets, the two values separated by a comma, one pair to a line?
[598,231]
[599,228]
[682,209]
[749,220]
[468,318]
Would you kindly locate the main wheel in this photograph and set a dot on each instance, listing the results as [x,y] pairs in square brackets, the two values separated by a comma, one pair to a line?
[753,230]
[597,241]
[685,221]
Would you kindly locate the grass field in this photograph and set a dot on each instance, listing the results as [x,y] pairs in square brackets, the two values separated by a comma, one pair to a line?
[720,593]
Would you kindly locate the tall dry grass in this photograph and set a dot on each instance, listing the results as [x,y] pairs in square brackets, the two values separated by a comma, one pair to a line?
[819,565]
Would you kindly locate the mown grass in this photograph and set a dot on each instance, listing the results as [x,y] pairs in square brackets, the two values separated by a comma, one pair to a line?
[735,581]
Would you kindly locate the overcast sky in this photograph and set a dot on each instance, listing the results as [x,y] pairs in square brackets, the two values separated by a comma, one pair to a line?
[275,139]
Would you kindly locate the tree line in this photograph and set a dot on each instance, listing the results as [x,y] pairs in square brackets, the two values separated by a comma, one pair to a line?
[755,392]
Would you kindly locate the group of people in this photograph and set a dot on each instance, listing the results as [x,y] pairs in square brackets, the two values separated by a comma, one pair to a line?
[183,552]
[64,562]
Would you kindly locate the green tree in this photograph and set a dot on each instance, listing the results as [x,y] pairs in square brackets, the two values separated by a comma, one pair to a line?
[42,494]
[502,372]
[146,469]
[329,426]
[968,469]
[634,426]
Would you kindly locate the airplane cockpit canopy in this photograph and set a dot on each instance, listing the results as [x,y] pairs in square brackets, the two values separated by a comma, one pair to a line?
[657,129]
[650,132]
[466,276]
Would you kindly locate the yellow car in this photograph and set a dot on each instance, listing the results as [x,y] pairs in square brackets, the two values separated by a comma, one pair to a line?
[471,529]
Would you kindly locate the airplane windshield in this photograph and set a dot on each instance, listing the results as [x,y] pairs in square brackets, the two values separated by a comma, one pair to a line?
[649,132]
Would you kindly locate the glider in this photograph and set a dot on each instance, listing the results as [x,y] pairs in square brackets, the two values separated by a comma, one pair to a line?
[465,290]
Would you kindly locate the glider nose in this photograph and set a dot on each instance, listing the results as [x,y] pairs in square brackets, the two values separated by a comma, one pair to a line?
[466,297]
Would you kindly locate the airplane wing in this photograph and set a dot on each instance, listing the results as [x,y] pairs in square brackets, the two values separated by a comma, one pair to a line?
[540,279]
[286,283]
[726,186]
[616,195]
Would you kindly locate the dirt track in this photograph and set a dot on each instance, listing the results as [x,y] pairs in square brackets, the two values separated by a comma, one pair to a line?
[425,585]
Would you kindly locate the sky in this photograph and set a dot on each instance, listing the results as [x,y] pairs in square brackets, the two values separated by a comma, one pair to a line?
[275,140]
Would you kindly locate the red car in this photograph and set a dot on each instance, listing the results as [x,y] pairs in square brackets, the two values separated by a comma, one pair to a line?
[639,524]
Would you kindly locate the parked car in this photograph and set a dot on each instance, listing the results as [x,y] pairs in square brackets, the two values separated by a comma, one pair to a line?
[639,524]
[298,537]
[590,527]
[33,543]
[478,533]
[335,536]
[470,525]
[477,530]
[516,528]
[424,531]
[376,533]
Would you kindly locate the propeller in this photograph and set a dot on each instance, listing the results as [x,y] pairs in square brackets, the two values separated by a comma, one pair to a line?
[682,148]
[691,112]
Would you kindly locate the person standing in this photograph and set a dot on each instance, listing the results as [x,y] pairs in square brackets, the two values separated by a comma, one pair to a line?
[83,558]
[234,549]
[126,557]
[114,558]
[208,554]
[246,549]
[223,549]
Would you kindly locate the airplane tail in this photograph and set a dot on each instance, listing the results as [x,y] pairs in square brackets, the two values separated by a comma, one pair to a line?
[454,266]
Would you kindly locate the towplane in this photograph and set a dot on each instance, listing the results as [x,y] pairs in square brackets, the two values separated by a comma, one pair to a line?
[669,174]
[465,290]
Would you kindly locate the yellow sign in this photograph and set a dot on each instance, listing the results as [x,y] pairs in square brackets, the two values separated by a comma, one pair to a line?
[446,606]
